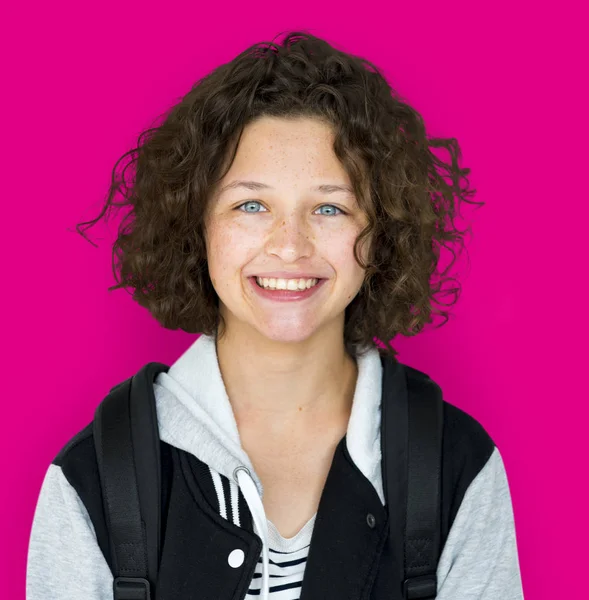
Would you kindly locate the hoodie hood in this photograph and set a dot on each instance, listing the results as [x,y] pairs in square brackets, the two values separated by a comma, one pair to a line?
[195,414]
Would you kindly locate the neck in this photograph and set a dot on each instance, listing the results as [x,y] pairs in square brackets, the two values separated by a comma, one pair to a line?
[287,388]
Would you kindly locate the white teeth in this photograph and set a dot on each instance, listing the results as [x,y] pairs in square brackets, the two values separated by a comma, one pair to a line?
[273,283]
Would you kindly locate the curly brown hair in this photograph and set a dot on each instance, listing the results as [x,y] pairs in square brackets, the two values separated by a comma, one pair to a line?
[381,142]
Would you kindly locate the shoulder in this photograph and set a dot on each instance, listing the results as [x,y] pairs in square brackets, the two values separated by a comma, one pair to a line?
[465,438]
[78,464]
[467,448]
[77,461]
[82,443]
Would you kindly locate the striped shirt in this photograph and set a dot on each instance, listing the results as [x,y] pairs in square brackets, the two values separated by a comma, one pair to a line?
[287,556]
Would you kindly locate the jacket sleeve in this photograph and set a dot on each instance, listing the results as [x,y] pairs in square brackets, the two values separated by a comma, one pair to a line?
[480,559]
[64,561]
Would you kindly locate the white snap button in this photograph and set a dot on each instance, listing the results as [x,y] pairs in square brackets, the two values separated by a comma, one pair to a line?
[236,558]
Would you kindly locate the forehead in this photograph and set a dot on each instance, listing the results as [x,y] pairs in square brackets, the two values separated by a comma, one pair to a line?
[287,149]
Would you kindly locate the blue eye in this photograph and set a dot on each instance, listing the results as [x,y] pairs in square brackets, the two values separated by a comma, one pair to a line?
[333,207]
[254,203]
[249,203]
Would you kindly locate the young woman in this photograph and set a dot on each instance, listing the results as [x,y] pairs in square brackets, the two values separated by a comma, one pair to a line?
[291,210]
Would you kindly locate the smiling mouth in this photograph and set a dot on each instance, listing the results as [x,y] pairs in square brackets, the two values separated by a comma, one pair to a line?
[287,285]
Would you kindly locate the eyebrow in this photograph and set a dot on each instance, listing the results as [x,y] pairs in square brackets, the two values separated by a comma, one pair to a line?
[256,185]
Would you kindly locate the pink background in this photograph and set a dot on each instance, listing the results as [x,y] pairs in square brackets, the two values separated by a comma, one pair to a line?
[505,79]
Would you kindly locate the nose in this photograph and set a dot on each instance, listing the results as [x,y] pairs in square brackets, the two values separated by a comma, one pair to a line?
[291,239]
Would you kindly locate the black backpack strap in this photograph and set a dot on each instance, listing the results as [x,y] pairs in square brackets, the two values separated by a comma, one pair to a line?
[126,439]
[412,409]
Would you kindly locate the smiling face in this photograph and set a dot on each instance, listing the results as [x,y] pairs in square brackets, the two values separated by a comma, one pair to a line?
[294,217]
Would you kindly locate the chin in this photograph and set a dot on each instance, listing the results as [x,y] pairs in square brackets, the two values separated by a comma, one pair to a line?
[288,333]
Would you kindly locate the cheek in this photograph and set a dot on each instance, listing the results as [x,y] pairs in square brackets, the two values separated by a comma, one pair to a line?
[350,274]
[228,248]
[340,247]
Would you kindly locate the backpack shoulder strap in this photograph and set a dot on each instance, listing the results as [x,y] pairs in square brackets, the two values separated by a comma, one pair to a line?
[412,410]
[126,439]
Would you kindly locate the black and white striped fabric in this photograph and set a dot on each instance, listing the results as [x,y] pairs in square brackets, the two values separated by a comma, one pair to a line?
[288,556]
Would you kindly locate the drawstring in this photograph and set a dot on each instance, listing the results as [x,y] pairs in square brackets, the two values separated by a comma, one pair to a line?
[254,502]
